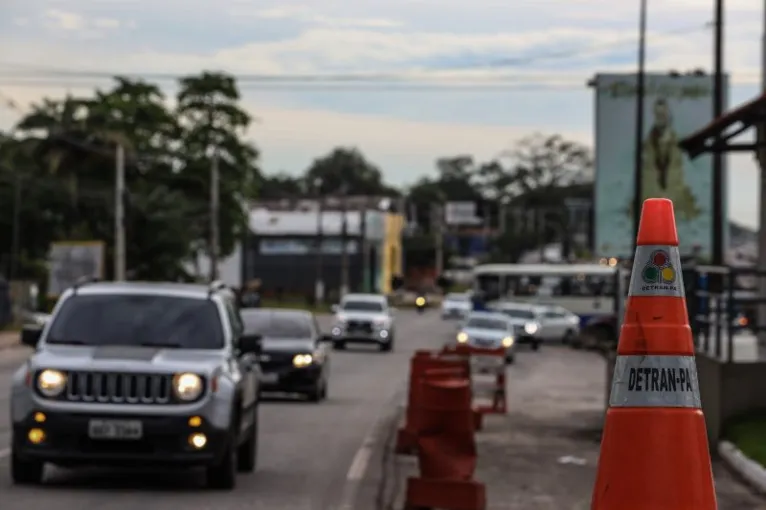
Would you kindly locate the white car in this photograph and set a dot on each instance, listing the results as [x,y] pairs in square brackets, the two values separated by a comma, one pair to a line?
[526,318]
[558,324]
[363,318]
[489,330]
[456,306]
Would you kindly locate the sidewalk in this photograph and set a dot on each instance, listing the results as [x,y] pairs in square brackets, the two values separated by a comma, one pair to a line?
[8,339]
[543,454]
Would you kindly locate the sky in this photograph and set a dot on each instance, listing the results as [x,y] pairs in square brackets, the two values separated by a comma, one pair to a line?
[532,59]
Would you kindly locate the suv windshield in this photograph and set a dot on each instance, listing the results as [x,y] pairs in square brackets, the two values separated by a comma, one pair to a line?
[485,323]
[362,306]
[519,314]
[275,326]
[137,320]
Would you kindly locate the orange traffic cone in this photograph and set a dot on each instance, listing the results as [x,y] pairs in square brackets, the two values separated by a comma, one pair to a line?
[654,449]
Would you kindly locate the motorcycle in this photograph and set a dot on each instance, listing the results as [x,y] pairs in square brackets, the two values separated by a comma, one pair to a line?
[420,304]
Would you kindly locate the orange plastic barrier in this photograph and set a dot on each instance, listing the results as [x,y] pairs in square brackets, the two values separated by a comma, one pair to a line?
[499,401]
[654,449]
[446,447]
[420,362]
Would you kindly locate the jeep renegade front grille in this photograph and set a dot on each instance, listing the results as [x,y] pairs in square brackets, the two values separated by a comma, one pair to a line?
[118,388]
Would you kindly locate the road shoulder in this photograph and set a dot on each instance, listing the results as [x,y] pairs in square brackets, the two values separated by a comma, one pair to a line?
[542,455]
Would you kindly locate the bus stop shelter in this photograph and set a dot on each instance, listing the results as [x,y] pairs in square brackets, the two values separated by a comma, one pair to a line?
[730,383]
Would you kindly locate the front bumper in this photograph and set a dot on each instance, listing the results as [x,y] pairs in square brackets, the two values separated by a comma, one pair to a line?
[164,441]
[291,379]
[373,336]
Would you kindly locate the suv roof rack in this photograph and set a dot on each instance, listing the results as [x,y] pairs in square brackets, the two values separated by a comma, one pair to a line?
[215,286]
[85,280]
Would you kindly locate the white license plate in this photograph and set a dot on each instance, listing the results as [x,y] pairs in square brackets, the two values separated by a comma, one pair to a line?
[270,378]
[115,429]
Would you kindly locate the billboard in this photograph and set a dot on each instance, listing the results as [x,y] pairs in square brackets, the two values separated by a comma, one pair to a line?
[73,261]
[674,107]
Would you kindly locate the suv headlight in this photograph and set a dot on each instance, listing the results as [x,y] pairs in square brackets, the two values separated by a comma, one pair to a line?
[187,386]
[381,323]
[531,328]
[51,383]
[303,360]
[508,342]
[462,338]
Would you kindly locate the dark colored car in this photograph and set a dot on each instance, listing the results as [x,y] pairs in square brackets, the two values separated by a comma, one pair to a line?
[295,353]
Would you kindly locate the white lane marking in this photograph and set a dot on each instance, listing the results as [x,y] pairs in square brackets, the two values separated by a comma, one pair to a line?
[361,460]
[5,453]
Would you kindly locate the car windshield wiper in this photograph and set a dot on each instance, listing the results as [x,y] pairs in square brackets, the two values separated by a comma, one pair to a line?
[167,345]
[65,341]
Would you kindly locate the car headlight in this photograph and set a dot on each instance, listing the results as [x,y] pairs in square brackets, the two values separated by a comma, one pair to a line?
[51,383]
[508,341]
[303,360]
[187,386]
[462,338]
[340,319]
[531,328]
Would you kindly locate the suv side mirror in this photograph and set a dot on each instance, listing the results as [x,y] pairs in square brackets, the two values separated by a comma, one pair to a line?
[335,308]
[30,335]
[250,344]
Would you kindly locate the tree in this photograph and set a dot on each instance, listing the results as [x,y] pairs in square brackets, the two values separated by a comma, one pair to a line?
[346,170]
[281,185]
[213,124]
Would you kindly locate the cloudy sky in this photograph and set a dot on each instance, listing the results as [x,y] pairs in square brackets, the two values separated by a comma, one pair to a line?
[540,52]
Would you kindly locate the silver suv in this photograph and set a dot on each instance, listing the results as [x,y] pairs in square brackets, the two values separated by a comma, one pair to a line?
[363,318]
[138,374]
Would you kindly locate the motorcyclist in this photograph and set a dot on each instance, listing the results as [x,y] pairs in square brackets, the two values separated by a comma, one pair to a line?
[251,295]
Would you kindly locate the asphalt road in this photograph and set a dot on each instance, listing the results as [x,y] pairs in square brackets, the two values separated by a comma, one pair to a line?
[310,455]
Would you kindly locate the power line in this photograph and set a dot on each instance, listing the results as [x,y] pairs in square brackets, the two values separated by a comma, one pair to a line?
[26,71]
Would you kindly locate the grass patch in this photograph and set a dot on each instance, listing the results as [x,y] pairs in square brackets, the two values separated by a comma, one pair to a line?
[748,433]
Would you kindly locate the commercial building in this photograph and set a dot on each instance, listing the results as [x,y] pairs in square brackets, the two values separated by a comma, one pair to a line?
[289,250]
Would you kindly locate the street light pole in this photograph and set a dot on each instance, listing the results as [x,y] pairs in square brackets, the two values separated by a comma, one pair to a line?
[119,215]
[638,195]
[718,105]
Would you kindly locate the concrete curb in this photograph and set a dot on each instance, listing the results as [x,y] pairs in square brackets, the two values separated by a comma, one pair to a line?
[748,469]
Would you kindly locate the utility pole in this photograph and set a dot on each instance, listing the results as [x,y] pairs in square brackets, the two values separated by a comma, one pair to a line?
[437,225]
[119,215]
[366,287]
[214,215]
[719,94]
[319,283]
[15,242]
[344,243]
[638,184]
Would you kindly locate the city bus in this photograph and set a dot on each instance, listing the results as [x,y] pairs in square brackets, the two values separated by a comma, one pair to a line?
[592,291]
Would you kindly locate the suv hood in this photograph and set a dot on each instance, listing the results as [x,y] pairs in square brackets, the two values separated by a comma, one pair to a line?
[361,316]
[296,345]
[493,334]
[128,359]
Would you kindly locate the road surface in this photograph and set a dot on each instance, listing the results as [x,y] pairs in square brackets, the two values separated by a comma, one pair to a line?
[310,455]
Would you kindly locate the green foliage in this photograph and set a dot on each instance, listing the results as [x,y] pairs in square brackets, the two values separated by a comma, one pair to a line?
[57,175]
[61,163]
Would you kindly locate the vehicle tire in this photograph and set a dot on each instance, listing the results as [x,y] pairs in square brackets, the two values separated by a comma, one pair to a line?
[387,347]
[510,359]
[222,475]
[536,345]
[568,338]
[247,453]
[26,472]
[339,346]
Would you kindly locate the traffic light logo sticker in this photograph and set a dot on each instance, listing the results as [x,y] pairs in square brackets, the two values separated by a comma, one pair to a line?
[658,273]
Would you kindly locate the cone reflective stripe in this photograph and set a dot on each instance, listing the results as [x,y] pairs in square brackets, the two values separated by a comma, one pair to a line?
[654,451]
